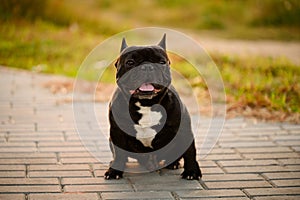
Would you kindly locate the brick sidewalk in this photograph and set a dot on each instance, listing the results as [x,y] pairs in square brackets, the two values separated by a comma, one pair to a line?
[42,157]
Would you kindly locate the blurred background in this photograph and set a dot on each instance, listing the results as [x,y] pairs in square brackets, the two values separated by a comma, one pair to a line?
[254,43]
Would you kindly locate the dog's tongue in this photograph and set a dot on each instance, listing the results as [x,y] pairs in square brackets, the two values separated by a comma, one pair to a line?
[146,87]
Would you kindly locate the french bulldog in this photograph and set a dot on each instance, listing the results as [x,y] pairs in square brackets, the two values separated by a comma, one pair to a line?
[148,121]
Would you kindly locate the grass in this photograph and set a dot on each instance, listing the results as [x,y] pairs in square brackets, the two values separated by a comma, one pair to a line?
[44,47]
[261,82]
[256,84]
[33,37]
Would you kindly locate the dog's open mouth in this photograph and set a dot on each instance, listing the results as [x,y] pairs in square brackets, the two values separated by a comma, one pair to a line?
[145,91]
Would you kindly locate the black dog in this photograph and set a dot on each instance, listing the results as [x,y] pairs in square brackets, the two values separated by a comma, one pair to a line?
[148,121]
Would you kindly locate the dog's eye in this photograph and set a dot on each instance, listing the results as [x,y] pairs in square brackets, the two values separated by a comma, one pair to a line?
[162,62]
[130,63]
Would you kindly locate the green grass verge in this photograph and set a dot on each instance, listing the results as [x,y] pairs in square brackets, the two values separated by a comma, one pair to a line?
[272,84]
[261,82]
[44,47]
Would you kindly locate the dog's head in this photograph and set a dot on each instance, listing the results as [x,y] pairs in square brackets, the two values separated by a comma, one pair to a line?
[143,72]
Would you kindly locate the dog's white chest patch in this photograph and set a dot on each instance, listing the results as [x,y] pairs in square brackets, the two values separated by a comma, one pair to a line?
[149,118]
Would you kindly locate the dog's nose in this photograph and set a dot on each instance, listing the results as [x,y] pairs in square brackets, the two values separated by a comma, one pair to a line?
[147,68]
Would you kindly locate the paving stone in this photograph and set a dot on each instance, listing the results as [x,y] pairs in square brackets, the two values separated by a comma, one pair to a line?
[27,155]
[29,161]
[242,139]
[282,175]
[59,174]
[284,197]
[223,157]
[273,191]
[91,181]
[97,166]
[290,127]
[186,185]
[12,196]
[191,185]
[207,163]
[206,170]
[82,154]
[210,193]
[64,196]
[60,144]
[276,149]
[296,148]
[137,195]
[231,177]
[17,149]
[19,127]
[212,170]
[100,173]
[271,155]
[37,138]
[291,161]
[296,131]
[7,145]
[216,150]
[29,188]
[59,167]
[260,127]
[287,183]
[229,198]
[286,137]
[62,149]
[79,160]
[29,181]
[248,144]
[288,143]
[11,174]
[262,169]
[98,188]
[12,167]
[237,184]
[234,163]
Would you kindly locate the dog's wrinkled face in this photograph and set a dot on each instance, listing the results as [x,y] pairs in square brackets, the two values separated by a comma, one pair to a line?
[143,71]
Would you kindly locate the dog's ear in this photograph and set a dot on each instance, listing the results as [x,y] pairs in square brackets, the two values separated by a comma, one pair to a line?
[123,45]
[162,43]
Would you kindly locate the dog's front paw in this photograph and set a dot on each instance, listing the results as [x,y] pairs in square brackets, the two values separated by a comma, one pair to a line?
[191,174]
[113,174]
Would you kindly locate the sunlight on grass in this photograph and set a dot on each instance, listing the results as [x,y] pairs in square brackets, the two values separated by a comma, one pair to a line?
[273,84]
